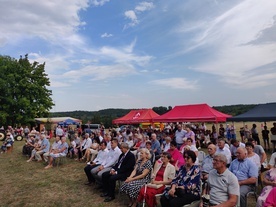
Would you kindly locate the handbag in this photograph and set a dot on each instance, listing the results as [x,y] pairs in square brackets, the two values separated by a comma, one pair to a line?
[179,192]
[155,186]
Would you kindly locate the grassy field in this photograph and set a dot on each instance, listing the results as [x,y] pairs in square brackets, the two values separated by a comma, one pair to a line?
[28,184]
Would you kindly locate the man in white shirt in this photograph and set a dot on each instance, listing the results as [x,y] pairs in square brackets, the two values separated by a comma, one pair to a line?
[221,148]
[179,135]
[106,165]
[101,157]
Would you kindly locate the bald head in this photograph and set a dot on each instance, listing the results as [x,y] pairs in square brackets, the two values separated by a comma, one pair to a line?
[241,153]
[211,149]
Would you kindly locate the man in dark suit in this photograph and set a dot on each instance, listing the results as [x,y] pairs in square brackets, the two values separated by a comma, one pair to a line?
[120,171]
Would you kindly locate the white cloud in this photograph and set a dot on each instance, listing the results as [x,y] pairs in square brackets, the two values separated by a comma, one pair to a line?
[144,6]
[132,14]
[106,35]
[96,73]
[176,83]
[226,39]
[43,19]
[99,2]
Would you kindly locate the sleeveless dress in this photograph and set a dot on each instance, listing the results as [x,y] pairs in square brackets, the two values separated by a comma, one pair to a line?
[132,188]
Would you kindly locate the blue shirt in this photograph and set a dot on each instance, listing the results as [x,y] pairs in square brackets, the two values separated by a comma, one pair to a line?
[156,145]
[244,169]
[45,143]
[207,164]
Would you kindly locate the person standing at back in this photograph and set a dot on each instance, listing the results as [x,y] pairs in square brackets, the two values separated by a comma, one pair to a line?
[179,135]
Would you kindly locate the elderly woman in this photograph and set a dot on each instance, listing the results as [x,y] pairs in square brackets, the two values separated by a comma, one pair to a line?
[185,188]
[269,180]
[251,155]
[177,158]
[162,175]
[138,178]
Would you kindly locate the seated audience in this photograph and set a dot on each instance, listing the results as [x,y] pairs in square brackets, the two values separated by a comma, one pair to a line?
[101,157]
[259,150]
[111,159]
[269,180]
[246,172]
[185,188]
[36,147]
[155,145]
[85,144]
[29,145]
[138,178]
[54,146]
[162,175]
[92,150]
[223,149]
[207,163]
[8,142]
[177,159]
[224,188]
[120,171]
[44,147]
[166,145]
[252,155]
[61,151]
[235,144]
[271,199]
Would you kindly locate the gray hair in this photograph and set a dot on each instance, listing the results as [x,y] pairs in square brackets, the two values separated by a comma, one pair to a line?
[124,145]
[221,157]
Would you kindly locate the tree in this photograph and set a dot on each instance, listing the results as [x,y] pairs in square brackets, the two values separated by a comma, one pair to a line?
[24,94]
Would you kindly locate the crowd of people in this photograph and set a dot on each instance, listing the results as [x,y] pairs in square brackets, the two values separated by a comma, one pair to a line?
[150,162]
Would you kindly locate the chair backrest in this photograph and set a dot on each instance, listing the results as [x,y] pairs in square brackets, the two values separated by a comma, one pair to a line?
[201,156]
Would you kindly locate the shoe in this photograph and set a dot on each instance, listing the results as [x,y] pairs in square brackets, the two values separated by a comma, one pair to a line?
[88,163]
[88,183]
[108,199]
[199,148]
[48,166]
[104,194]
[99,187]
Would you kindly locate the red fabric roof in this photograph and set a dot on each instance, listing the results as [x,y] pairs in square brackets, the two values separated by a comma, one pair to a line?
[136,117]
[192,113]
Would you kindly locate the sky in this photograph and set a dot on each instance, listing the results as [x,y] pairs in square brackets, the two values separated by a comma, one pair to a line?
[127,54]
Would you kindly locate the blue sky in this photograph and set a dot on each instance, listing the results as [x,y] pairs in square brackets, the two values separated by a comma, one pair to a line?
[139,54]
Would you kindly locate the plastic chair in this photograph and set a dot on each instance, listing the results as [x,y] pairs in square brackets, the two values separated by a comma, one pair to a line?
[252,192]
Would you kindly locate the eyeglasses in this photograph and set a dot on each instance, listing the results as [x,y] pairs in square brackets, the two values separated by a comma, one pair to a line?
[187,157]
[216,160]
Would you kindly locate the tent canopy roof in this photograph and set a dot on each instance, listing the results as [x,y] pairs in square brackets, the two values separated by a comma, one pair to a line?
[136,117]
[192,113]
[262,112]
[57,120]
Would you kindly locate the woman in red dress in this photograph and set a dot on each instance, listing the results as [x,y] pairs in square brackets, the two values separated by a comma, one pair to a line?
[162,175]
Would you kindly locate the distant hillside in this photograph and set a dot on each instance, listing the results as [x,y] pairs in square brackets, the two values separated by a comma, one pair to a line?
[106,116]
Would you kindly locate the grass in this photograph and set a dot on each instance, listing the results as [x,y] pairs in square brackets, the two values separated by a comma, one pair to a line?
[28,184]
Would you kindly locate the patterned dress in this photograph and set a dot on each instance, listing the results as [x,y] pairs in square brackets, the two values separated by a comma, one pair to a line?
[132,188]
[270,176]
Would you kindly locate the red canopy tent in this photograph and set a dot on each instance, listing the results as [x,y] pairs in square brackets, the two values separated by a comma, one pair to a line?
[137,116]
[192,113]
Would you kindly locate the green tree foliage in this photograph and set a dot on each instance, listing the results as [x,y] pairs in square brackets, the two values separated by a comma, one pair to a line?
[24,94]
[235,110]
